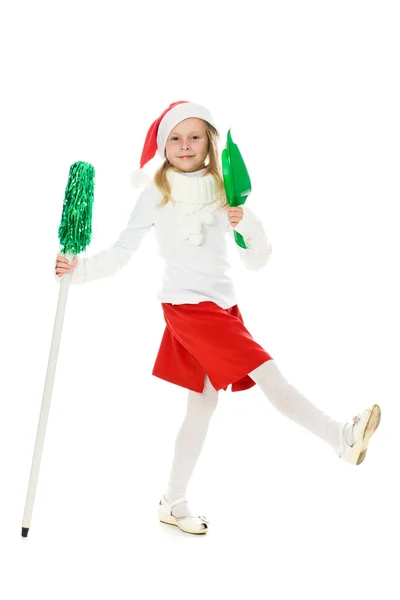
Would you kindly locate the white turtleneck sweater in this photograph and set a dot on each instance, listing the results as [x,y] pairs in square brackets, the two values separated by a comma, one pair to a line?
[196,267]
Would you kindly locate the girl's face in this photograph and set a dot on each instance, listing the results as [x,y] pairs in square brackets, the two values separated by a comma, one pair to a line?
[187,145]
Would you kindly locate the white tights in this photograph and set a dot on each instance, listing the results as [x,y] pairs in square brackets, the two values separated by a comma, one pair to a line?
[201,406]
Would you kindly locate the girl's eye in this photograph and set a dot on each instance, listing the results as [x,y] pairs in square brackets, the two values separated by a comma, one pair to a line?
[195,137]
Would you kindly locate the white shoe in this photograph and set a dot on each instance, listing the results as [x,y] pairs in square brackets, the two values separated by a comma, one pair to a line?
[193,524]
[364,426]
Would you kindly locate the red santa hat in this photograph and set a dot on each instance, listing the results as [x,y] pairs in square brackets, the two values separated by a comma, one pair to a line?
[158,132]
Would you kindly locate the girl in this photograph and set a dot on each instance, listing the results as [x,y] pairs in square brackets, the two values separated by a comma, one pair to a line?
[205,346]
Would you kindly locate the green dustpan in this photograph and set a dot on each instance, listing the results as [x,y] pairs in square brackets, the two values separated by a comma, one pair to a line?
[236,179]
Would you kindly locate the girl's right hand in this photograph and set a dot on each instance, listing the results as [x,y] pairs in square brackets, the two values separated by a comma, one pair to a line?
[63,266]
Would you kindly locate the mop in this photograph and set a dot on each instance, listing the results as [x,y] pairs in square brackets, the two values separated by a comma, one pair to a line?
[74,234]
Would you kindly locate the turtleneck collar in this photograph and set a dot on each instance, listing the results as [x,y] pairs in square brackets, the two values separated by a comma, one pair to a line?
[194,199]
[192,173]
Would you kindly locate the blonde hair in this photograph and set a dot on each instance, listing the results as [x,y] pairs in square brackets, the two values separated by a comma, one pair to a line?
[212,168]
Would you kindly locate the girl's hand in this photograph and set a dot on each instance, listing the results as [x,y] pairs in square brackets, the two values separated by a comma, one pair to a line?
[235,214]
[63,266]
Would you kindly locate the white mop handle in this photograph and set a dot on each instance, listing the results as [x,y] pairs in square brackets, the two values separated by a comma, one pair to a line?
[48,388]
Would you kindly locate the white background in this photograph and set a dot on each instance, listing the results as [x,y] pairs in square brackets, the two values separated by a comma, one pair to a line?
[311,92]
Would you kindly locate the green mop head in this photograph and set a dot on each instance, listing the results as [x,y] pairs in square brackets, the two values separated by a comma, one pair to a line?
[75,229]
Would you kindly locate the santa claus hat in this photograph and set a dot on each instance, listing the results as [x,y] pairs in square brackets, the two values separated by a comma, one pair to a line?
[158,132]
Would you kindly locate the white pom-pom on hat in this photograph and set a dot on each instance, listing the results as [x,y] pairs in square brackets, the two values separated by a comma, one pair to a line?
[139,178]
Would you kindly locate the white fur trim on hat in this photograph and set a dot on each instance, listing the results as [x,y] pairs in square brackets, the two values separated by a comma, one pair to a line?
[177,114]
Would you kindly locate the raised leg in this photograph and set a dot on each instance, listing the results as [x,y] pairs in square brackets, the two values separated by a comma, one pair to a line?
[291,403]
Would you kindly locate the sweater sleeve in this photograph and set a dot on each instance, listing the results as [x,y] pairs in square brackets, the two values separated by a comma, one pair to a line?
[109,261]
[256,238]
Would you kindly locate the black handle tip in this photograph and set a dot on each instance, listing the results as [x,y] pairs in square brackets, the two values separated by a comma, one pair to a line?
[25,531]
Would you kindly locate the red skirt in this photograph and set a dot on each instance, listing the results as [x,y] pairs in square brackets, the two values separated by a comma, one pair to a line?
[204,339]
